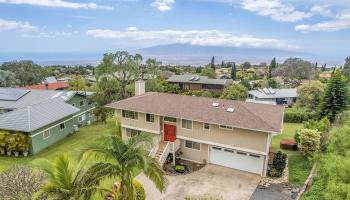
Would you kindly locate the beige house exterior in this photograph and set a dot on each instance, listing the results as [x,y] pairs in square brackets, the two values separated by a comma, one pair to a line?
[209,133]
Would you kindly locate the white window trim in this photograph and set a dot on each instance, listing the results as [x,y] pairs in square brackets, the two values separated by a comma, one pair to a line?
[81,116]
[225,128]
[60,126]
[131,118]
[154,118]
[187,128]
[45,138]
[200,146]
[205,128]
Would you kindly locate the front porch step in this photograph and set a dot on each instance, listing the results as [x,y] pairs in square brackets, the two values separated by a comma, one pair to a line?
[160,150]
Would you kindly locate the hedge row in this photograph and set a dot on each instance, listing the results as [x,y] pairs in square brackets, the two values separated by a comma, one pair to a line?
[298,115]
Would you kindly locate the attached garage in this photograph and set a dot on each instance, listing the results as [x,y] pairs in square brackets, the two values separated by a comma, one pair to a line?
[237,159]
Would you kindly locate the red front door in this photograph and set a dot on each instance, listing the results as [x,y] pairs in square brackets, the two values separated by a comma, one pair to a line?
[169,132]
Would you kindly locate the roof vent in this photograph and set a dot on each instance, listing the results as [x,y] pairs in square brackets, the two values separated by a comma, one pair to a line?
[230,109]
[215,104]
[196,79]
[192,78]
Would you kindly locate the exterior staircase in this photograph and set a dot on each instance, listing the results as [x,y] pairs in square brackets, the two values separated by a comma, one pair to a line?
[161,148]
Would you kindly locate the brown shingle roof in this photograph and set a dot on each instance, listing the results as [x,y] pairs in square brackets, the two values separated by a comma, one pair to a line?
[246,115]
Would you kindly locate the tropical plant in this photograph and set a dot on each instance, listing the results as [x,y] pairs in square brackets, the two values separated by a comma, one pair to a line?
[336,97]
[309,142]
[235,92]
[24,143]
[121,159]
[68,180]
[20,182]
[3,136]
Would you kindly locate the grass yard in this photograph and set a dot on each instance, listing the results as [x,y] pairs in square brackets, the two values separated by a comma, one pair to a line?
[70,145]
[299,167]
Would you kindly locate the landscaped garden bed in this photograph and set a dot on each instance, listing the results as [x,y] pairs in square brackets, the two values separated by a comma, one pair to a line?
[181,166]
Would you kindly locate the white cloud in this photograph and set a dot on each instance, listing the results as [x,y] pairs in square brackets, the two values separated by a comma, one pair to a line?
[275,9]
[58,4]
[195,37]
[132,28]
[339,22]
[52,34]
[163,5]
[6,25]
[322,10]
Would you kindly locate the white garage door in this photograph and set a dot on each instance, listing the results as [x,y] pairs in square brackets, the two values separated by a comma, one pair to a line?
[237,159]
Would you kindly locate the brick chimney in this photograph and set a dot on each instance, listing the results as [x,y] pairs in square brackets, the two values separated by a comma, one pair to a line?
[140,87]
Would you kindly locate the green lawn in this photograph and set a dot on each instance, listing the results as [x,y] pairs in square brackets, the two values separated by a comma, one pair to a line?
[70,145]
[299,167]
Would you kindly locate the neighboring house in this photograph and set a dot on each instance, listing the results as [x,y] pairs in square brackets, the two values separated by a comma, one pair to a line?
[50,79]
[59,85]
[195,82]
[229,133]
[273,96]
[47,116]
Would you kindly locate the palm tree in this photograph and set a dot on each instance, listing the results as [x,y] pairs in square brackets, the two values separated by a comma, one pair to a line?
[67,180]
[121,159]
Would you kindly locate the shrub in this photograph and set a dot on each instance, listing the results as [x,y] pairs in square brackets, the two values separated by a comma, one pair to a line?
[309,142]
[140,191]
[278,164]
[180,168]
[298,115]
[322,125]
[3,136]
[20,182]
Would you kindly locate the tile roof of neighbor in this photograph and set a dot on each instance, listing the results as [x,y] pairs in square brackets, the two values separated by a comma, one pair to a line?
[279,93]
[51,86]
[35,116]
[186,78]
[246,115]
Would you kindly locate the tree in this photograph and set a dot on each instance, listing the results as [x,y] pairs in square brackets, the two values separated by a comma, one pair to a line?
[7,78]
[107,90]
[151,68]
[26,72]
[212,63]
[66,180]
[119,158]
[20,182]
[309,95]
[294,70]
[78,83]
[309,142]
[207,71]
[161,85]
[246,65]
[234,71]
[235,92]
[346,67]
[223,64]
[335,98]
[122,66]
[273,65]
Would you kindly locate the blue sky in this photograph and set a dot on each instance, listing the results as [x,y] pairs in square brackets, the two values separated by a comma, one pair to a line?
[321,27]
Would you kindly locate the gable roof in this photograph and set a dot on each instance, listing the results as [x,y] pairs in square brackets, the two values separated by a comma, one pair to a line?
[51,86]
[33,117]
[192,78]
[252,116]
[276,93]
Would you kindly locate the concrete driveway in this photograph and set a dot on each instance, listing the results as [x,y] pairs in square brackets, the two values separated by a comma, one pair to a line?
[216,181]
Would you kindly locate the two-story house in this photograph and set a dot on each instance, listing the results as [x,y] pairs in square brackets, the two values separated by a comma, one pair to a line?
[46,115]
[233,134]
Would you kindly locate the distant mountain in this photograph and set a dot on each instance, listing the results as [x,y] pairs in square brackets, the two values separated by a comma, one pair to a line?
[199,55]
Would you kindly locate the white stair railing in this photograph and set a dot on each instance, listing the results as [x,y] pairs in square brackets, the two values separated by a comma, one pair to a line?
[165,154]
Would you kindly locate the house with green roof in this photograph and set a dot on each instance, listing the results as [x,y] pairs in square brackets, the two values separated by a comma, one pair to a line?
[46,116]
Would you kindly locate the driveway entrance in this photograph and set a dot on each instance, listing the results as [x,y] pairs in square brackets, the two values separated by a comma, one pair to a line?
[214,180]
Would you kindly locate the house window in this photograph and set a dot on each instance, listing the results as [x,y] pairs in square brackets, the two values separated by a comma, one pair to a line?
[206,126]
[46,134]
[81,103]
[132,132]
[82,117]
[170,119]
[192,145]
[130,114]
[226,127]
[187,124]
[149,117]
[62,126]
